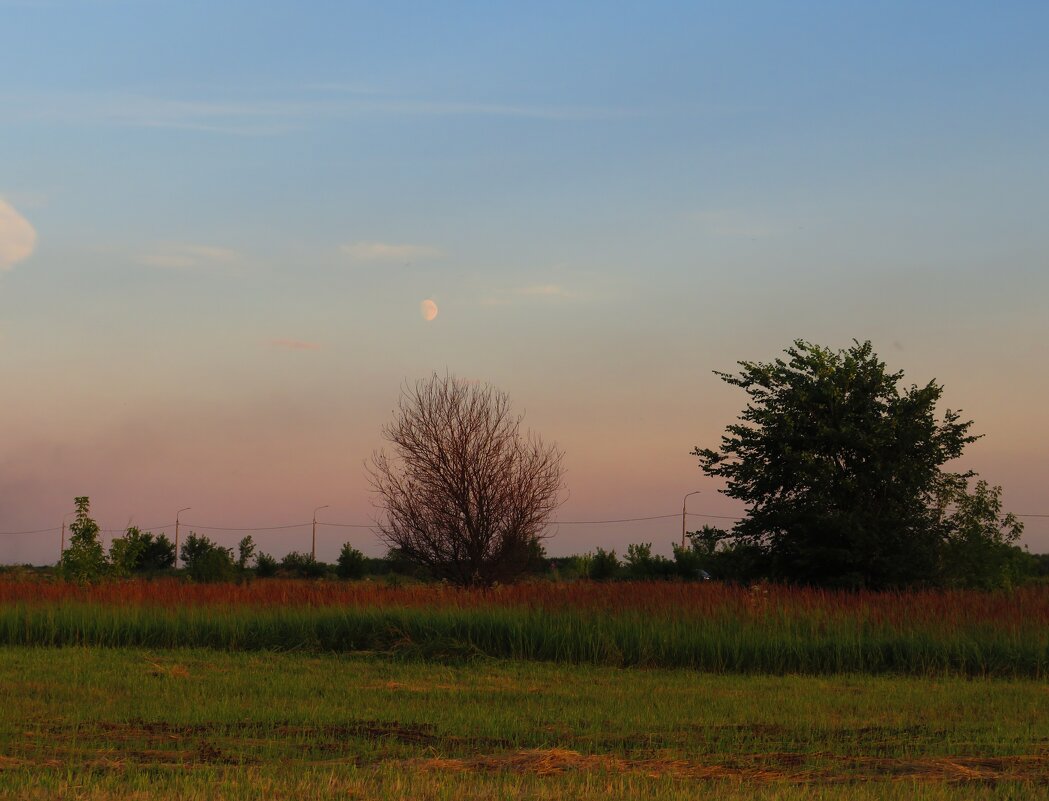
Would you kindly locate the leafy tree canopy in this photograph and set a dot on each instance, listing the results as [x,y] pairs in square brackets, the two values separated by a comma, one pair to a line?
[206,561]
[84,559]
[140,552]
[838,465]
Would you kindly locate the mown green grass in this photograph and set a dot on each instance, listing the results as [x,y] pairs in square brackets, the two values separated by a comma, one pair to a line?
[152,723]
[773,643]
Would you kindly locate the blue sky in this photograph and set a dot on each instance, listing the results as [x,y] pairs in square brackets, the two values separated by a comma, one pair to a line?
[220,220]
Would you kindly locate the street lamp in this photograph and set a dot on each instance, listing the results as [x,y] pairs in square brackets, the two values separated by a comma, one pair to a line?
[683,502]
[313,550]
[180,511]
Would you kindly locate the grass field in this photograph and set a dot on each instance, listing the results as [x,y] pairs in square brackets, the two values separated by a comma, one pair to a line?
[704,627]
[134,723]
[293,689]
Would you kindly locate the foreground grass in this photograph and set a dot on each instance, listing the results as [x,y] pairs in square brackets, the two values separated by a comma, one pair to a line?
[131,723]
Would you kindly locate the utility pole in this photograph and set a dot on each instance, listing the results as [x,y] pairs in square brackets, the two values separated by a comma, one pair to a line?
[683,502]
[313,550]
[180,511]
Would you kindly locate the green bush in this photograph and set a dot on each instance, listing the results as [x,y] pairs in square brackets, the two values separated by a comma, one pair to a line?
[207,561]
[266,566]
[351,563]
[689,564]
[302,565]
[604,565]
[641,564]
[140,552]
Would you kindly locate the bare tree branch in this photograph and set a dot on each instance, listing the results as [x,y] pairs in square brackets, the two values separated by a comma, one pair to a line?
[464,492]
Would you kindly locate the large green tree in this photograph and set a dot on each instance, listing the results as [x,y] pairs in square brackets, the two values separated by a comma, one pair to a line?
[839,466]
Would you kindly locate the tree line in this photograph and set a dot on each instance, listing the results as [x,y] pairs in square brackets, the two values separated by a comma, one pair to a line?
[842,468]
[142,553]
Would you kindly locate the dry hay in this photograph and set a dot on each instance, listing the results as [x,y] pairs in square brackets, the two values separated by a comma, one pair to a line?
[758,768]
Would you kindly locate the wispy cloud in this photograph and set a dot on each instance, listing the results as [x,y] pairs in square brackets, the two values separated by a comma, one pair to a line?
[17,236]
[293,344]
[189,256]
[456,108]
[229,116]
[388,252]
[247,114]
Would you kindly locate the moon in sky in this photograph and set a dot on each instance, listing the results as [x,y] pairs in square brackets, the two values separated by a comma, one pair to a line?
[428,309]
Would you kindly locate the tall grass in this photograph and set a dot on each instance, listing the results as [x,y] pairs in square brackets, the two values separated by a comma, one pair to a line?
[1026,608]
[712,628]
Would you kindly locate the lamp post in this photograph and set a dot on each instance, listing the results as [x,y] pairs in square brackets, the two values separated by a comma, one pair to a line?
[313,550]
[180,511]
[683,502]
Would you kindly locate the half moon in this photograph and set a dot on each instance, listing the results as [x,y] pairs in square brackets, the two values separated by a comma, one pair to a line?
[428,309]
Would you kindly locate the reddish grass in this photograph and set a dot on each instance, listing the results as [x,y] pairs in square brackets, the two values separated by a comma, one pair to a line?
[1024,608]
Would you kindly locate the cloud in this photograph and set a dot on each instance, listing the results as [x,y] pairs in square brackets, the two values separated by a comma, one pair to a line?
[293,344]
[237,113]
[386,252]
[189,256]
[17,236]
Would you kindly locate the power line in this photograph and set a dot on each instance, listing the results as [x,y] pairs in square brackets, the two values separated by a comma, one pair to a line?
[347,525]
[373,527]
[37,531]
[620,520]
[248,528]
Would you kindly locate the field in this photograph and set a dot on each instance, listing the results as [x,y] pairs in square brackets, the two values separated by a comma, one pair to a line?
[308,690]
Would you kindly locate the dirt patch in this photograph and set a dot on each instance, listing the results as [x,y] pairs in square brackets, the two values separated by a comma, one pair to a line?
[760,768]
[148,729]
[546,762]
[162,671]
[234,742]
[1021,767]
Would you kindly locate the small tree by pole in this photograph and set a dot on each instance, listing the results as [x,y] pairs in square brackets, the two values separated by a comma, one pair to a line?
[463,491]
[84,559]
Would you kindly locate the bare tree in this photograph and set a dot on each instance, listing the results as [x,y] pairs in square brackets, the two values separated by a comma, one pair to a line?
[464,492]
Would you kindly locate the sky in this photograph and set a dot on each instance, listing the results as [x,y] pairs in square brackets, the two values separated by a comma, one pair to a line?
[218,223]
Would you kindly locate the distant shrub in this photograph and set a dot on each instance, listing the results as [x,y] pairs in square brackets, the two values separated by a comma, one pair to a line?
[604,565]
[574,567]
[351,563]
[140,552]
[302,565]
[207,561]
[641,564]
[245,552]
[688,564]
[266,566]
